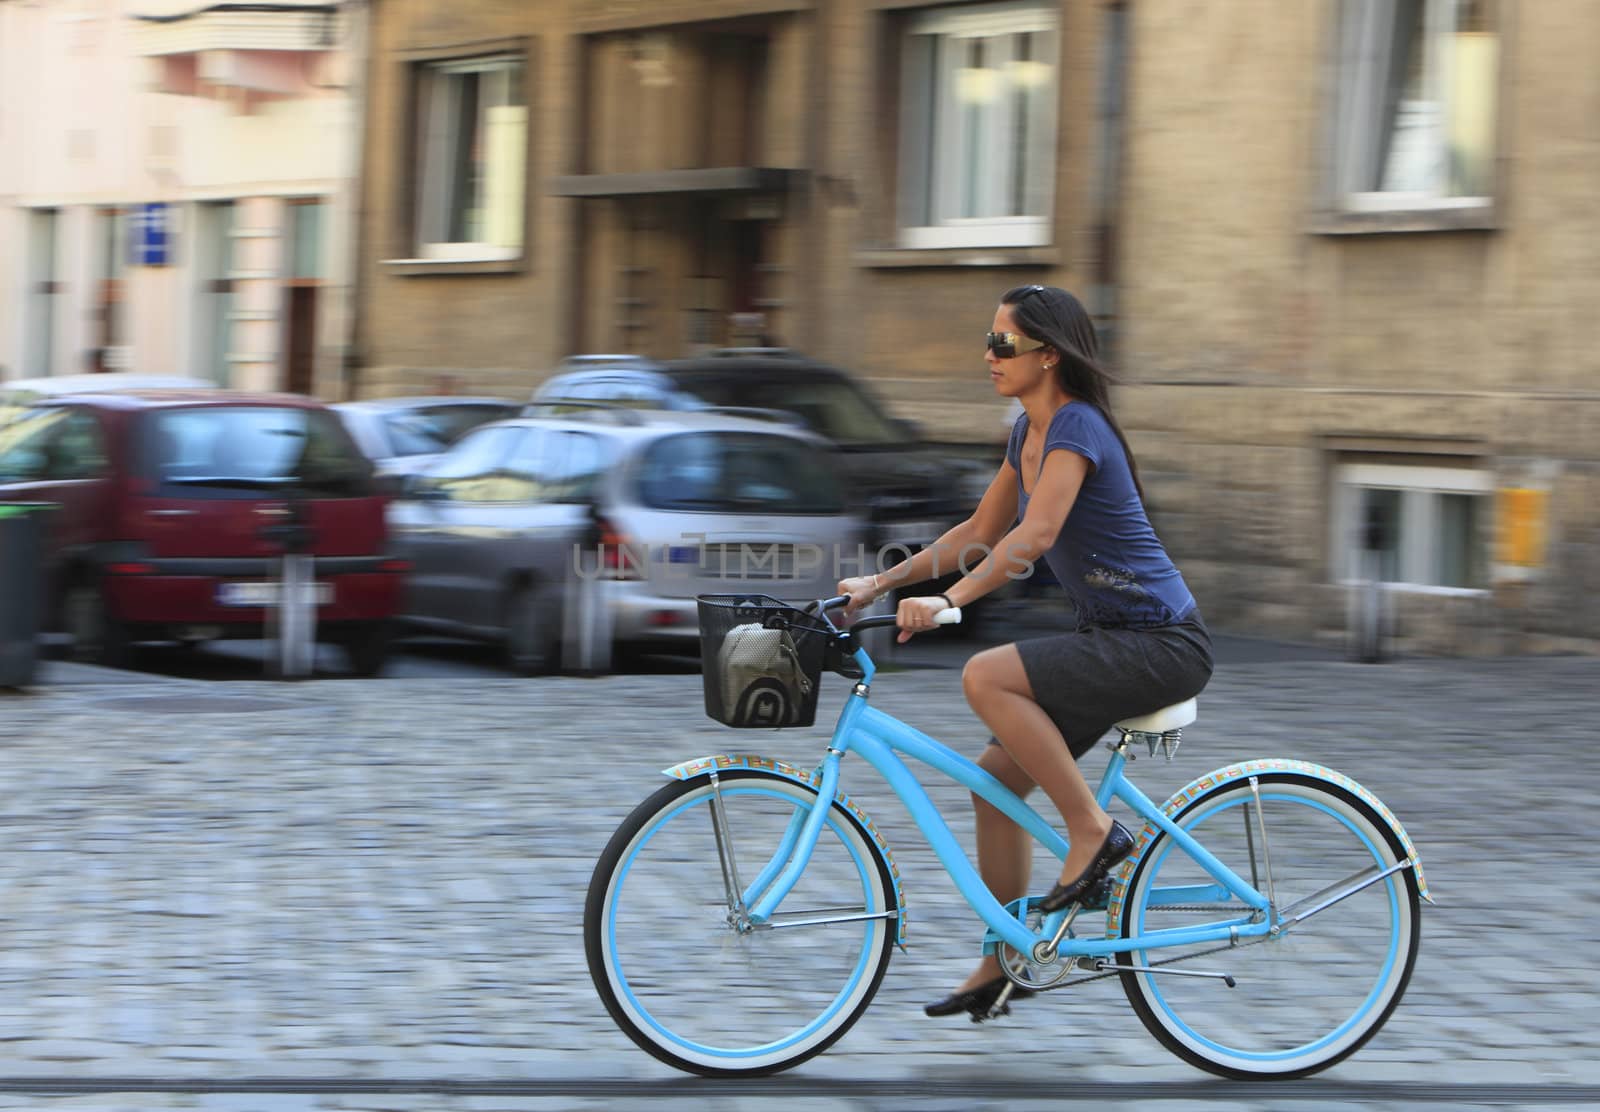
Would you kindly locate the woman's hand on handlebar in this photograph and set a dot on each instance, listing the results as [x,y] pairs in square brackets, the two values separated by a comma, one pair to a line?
[916,615]
[863,591]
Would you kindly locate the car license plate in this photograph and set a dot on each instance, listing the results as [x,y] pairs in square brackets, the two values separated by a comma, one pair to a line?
[268,593]
[755,560]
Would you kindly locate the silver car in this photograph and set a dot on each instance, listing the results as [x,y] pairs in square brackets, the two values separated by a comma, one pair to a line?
[539,531]
[402,436]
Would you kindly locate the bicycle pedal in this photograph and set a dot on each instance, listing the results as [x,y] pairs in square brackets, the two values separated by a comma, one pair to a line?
[991,1013]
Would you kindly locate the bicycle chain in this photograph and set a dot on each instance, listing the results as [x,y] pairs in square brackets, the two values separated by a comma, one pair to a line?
[1069,980]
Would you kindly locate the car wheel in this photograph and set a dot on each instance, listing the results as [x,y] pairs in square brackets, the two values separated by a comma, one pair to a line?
[533,632]
[366,647]
[97,636]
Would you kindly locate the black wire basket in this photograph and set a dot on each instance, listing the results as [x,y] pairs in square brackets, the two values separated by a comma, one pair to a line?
[761,661]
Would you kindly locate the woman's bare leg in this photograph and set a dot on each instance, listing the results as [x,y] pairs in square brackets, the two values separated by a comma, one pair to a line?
[1005,850]
[997,688]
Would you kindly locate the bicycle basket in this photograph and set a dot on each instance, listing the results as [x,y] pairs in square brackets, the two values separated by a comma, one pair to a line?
[760,661]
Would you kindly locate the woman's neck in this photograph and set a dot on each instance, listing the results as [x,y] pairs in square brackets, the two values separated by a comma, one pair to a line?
[1041,403]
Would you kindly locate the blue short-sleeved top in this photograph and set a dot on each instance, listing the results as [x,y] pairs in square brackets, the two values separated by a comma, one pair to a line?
[1107,556]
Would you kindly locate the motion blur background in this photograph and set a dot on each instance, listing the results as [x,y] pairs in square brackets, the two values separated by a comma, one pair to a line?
[1341,252]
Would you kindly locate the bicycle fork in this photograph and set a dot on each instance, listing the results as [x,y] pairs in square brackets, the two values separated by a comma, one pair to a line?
[753,907]
[737,917]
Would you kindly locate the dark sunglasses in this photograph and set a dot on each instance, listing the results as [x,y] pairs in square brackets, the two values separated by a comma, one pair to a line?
[1004,345]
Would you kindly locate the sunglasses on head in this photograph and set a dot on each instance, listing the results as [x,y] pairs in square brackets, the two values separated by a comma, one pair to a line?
[1004,345]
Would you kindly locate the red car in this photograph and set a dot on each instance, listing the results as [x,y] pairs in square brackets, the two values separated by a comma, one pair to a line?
[173,507]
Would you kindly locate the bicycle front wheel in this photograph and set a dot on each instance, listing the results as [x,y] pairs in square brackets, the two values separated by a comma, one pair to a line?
[1317,991]
[681,969]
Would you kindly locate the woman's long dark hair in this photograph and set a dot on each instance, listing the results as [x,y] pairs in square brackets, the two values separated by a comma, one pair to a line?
[1051,315]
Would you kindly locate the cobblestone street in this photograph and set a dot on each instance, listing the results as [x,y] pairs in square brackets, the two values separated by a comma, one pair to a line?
[382,881]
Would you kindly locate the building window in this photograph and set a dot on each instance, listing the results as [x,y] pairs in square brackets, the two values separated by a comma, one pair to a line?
[214,296]
[306,238]
[472,125]
[977,125]
[110,335]
[1423,527]
[43,285]
[1417,104]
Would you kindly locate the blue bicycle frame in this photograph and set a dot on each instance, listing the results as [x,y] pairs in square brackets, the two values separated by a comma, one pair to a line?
[877,737]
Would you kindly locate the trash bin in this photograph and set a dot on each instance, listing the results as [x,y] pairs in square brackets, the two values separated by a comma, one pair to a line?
[21,584]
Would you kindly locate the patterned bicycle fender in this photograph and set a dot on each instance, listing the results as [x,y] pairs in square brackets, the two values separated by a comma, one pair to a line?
[726,762]
[1245,769]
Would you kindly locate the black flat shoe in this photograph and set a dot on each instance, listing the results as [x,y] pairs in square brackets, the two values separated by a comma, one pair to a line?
[1118,844]
[977,1002]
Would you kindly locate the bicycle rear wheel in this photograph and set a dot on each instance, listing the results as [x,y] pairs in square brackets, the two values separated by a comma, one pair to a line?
[1317,992]
[685,977]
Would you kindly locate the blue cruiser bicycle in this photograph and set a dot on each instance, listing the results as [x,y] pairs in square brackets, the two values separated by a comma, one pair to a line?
[742,917]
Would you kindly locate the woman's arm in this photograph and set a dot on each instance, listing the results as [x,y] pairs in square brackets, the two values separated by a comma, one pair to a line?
[996,510]
[1059,482]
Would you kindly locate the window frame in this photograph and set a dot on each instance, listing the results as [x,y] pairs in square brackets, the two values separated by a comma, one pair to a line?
[1337,212]
[1007,233]
[407,254]
[1420,486]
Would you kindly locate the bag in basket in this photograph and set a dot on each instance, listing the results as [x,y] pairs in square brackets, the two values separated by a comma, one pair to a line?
[763,683]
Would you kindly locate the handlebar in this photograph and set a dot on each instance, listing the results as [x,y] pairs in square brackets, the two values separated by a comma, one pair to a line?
[950,616]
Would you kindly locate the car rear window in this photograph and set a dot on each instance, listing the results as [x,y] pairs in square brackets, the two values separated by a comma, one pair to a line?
[222,451]
[739,473]
[431,429]
[834,408]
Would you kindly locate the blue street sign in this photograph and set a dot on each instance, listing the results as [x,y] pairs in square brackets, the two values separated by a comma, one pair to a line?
[151,237]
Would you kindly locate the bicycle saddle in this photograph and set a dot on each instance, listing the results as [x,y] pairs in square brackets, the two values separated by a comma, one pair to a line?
[1175,717]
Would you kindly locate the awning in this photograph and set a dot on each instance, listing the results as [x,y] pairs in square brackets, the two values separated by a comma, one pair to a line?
[721,179]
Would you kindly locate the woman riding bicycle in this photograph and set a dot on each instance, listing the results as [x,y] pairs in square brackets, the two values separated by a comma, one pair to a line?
[1069,492]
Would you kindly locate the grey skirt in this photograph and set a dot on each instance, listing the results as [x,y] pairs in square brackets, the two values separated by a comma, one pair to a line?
[1090,679]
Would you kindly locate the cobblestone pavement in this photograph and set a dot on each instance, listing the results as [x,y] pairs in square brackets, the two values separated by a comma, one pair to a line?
[348,886]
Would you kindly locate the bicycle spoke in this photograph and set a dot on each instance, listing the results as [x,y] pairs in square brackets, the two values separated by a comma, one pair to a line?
[706,989]
[1334,893]
[1316,990]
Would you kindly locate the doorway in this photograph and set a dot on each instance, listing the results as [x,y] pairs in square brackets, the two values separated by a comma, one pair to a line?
[300,352]
[301,294]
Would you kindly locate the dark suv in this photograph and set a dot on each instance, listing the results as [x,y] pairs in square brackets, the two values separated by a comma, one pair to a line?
[911,491]
[171,506]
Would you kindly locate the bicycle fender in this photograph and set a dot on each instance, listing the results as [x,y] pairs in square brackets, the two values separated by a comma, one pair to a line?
[728,762]
[1244,769]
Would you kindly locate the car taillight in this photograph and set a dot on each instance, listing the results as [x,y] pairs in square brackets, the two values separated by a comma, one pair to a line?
[620,557]
[129,567]
[395,565]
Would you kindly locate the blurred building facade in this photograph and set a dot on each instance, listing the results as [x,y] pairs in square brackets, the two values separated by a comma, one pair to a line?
[1354,290]
[176,189]
[1340,251]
